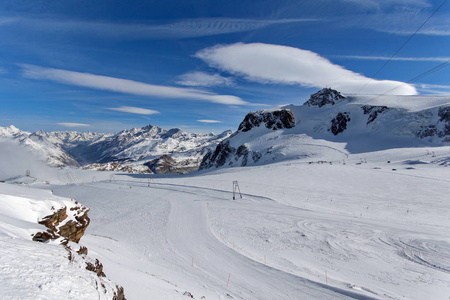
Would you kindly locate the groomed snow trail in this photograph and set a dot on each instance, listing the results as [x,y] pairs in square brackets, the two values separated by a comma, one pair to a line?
[363,234]
[182,243]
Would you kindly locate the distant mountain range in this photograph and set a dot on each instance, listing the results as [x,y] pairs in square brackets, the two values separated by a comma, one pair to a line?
[328,126]
[138,150]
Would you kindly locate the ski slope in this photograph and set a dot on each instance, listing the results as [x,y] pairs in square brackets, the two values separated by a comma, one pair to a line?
[366,229]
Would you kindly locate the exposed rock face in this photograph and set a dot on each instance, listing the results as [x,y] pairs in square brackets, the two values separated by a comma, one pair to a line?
[444,114]
[97,267]
[59,226]
[168,165]
[324,97]
[162,165]
[225,153]
[278,119]
[427,131]
[441,129]
[243,152]
[444,118]
[339,123]
[373,111]
[217,158]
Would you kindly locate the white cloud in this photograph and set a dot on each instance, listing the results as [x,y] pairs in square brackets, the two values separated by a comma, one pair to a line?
[134,110]
[73,124]
[208,121]
[277,64]
[126,86]
[187,28]
[204,79]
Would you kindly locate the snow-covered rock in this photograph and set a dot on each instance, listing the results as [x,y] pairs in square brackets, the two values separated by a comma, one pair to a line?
[324,97]
[277,119]
[40,257]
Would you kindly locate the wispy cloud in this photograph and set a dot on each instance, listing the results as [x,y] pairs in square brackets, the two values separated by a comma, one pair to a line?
[126,86]
[134,110]
[362,57]
[3,70]
[433,88]
[204,79]
[401,22]
[188,28]
[379,4]
[208,121]
[73,124]
[277,64]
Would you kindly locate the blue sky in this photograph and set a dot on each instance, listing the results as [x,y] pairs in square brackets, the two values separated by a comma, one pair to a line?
[104,66]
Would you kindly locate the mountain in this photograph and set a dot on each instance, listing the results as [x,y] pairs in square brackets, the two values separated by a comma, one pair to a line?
[127,151]
[135,148]
[330,126]
[38,144]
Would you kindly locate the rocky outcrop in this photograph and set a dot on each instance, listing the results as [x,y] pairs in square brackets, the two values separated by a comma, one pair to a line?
[59,225]
[444,114]
[225,154]
[96,267]
[277,119]
[444,119]
[373,112]
[339,123]
[326,96]
[218,157]
[163,165]
[441,129]
[168,165]
[103,284]
[70,224]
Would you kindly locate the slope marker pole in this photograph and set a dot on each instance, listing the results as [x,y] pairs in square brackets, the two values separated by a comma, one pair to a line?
[236,189]
[229,275]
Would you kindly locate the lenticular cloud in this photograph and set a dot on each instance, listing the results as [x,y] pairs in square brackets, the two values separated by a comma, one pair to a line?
[277,64]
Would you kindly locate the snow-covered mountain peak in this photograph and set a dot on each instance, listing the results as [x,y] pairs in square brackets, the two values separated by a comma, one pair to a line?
[325,96]
[11,131]
[342,125]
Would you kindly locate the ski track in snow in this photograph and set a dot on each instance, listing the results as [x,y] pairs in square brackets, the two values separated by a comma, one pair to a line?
[185,234]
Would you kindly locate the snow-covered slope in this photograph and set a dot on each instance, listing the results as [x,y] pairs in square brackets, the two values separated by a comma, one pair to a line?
[364,230]
[38,270]
[330,126]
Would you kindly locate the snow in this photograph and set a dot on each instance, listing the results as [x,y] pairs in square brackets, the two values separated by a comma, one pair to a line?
[364,214]
[32,270]
[313,231]
[410,103]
